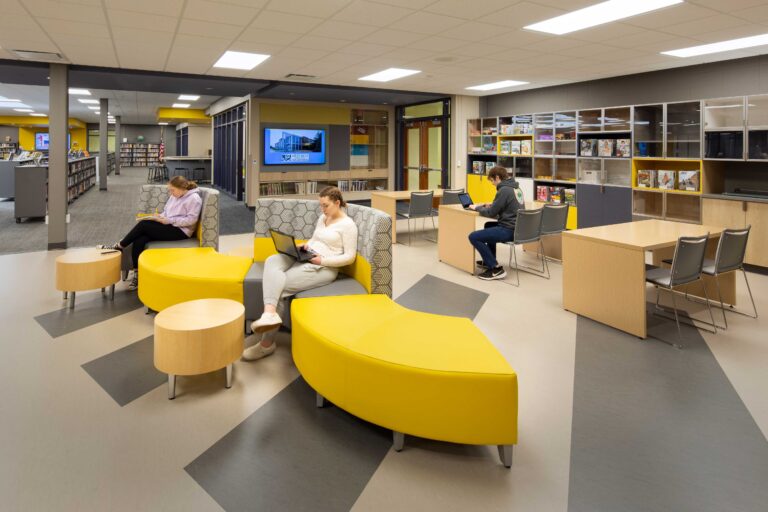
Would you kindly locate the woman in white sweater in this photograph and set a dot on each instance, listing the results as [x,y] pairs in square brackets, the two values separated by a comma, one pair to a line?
[335,243]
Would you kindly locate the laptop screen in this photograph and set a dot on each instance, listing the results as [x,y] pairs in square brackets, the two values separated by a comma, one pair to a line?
[465,200]
[284,244]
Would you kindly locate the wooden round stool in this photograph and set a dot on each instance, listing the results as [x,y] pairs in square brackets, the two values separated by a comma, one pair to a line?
[87,269]
[198,336]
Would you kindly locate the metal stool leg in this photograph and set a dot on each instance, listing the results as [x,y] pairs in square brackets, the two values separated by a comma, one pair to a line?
[398,441]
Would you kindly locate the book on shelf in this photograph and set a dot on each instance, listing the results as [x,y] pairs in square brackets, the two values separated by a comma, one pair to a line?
[646,178]
[478,166]
[506,129]
[505,147]
[542,193]
[666,179]
[515,147]
[545,137]
[525,147]
[587,147]
[623,148]
[556,195]
[489,146]
[523,129]
[605,147]
[688,180]
[489,166]
[569,196]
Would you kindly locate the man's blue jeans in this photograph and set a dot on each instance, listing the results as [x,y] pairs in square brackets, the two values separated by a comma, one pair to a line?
[485,240]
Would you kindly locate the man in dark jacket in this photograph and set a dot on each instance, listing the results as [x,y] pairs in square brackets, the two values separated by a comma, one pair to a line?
[508,199]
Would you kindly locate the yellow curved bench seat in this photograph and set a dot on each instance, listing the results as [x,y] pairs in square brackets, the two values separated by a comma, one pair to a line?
[426,375]
[172,276]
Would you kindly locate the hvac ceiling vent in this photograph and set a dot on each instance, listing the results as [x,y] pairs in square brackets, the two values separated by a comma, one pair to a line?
[300,77]
[39,56]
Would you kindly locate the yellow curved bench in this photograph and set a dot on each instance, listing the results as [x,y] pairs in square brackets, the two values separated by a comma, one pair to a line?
[426,375]
[172,276]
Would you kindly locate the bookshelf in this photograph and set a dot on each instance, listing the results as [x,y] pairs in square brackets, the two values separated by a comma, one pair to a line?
[7,149]
[139,154]
[369,134]
[667,188]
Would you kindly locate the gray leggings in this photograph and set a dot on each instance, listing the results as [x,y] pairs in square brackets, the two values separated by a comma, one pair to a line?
[284,276]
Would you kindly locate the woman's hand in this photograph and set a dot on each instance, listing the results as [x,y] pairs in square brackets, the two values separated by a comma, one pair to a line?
[317,260]
[160,219]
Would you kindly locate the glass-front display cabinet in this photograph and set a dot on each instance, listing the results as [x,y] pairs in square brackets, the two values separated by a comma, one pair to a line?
[757,127]
[684,130]
[565,133]
[544,134]
[724,128]
[648,131]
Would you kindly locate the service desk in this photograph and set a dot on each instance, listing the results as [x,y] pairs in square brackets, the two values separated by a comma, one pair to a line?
[386,201]
[604,269]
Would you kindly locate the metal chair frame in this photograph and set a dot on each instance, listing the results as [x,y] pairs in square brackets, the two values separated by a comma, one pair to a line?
[522,214]
[424,216]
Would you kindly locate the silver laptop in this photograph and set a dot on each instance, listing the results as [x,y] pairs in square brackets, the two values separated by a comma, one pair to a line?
[286,244]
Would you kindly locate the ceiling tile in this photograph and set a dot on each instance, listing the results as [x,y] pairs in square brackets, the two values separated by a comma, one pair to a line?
[83,40]
[259,35]
[758,13]
[474,31]
[412,4]
[393,37]
[130,19]
[53,26]
[204,10]
[436,43]
[262,48]
[209,45]
[320,43]
[343,30]
[730,6]
[64,11]
[639,39]
[426,23]
[521,38]
[276,69]
[323,9]
[521,14]
[370,13]
[132,36]
[467,10]
[368,49]
[554,44]
[409,54]
[702,26]
[680,13]
[208,29]
[295,23]
[12,7]
[19,42]
[302,53]
[161,7]
[726,34]
[475,49]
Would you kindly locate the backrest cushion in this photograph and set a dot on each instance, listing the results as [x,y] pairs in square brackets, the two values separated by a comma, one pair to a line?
[152,198]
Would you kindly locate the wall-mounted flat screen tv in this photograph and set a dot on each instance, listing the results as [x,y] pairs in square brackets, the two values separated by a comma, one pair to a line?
[294,146]
[42,141]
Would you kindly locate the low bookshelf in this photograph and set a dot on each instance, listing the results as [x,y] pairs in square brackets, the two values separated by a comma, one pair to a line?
[667,188]
[355,184]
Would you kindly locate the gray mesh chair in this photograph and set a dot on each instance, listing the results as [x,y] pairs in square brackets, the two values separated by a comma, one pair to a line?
[451,196]
[420,208]
[527,230]
[554,218]
[687,264]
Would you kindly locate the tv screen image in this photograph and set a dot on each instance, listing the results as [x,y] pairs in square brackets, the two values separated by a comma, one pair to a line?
[41,141]
[294,146]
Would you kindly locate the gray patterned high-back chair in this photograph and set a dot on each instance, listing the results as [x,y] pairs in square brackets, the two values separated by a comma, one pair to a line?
[152,198]
[371,271]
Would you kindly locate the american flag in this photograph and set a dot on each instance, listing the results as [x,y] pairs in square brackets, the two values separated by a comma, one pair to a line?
[161,154]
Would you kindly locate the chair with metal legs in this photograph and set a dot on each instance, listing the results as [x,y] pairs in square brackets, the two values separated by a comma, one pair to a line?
[420,208]
[729,257]
[527,230]
[554,218]
[687,264]
[451,196]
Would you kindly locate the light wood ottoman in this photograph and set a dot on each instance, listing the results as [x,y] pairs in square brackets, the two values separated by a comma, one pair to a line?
[198,336]
[87,269]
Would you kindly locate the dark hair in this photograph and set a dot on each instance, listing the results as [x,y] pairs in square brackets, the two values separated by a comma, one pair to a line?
[498,172]
[182,183]
[334,194]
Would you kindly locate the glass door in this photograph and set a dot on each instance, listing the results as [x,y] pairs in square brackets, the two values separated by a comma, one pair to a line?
[423,169]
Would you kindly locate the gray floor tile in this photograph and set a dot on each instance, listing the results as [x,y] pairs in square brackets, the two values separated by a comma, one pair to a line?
[90,308]
[434,295]
[290,455]
[660,429]
[128,373]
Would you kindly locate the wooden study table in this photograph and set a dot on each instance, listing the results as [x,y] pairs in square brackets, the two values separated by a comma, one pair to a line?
[604,269]
[454,226]
[386,201]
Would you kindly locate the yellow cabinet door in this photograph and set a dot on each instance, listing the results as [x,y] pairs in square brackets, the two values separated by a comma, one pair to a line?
[480,189]
[757,247]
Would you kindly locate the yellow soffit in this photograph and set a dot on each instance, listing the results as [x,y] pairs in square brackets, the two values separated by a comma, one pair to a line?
[182,115]
[37,121]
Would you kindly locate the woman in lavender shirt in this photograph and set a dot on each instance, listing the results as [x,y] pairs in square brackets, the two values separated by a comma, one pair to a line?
[177,222]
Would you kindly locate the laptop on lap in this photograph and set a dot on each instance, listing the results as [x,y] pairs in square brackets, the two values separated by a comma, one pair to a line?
[286,244]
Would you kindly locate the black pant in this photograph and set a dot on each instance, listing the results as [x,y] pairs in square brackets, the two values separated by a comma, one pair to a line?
[146,231]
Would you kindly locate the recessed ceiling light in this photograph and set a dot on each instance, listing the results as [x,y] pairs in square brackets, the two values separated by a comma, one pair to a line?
[598,14]
[89,102]
[495,85]
[3,98]
[189,97]
[23,110]
[37,115]
[389,74]
[724,46]
[93,108]
[240,60]
[79,92]
[181,105]
[163,124]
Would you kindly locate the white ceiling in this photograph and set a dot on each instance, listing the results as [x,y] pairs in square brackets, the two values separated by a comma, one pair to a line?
[132,107]
[456,43]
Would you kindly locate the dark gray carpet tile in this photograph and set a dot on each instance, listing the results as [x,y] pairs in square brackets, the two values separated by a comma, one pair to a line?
[660,429]
[90,309]
[434,295]
[128,373]
[290,455]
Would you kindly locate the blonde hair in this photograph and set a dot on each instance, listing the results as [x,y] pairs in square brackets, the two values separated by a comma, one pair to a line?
[334,194]
[182,183]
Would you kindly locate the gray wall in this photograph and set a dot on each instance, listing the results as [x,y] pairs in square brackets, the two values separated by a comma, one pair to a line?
[9,131]
[151,133]
[720,79]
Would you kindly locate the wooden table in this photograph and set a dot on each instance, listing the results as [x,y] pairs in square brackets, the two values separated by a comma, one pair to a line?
[604,269]
[198,336]
[386,201]
[454,226]
[87,269]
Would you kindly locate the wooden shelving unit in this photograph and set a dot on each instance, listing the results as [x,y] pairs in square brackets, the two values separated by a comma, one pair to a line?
[139,154]
[7,149]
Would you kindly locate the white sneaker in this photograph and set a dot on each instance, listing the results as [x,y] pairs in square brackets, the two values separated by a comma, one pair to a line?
[258,351]
[267,322]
